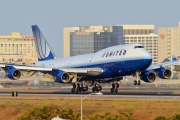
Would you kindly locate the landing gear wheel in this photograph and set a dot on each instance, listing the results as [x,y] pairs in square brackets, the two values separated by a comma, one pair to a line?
[74,85]
[72,90]
[100,88]
[135,82]
[117,85]
[116,90]
[97,89]
[76,88]
[112,90]
[139,82]
[80,89]
[93,89]
[86,88]
[77,91]
[113,85]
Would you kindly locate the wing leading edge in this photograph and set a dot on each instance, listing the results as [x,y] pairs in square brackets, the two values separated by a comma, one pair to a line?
[88,71]
[157,66]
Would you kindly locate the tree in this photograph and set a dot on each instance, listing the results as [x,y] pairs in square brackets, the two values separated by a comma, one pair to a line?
[48,112]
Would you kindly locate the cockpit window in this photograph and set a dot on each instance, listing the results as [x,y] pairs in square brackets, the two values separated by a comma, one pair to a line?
[138,47]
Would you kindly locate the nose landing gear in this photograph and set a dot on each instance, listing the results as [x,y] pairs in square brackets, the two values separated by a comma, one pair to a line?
[137,81]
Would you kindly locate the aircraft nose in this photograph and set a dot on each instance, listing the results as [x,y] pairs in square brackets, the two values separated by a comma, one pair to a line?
[148,58]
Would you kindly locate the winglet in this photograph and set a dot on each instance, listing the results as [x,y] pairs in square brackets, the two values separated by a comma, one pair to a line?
[174,58]
[44,51]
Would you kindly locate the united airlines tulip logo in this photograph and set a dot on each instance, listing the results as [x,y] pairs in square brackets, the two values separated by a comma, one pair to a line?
[42,46]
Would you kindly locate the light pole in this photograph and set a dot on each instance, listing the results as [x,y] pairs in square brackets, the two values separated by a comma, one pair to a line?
[99,93]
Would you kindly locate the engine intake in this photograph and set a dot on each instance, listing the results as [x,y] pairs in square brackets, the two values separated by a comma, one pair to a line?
[60,76]
[164,73]
[65,77]
[148,76]
[12,73]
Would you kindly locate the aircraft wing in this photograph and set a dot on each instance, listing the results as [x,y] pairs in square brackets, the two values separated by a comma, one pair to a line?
[31,70]
[157,66]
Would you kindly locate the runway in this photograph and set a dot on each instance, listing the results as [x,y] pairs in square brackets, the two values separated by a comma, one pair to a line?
[93,96]
[124,92]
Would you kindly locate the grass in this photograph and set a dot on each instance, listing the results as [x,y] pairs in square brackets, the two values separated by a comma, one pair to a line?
[142,108]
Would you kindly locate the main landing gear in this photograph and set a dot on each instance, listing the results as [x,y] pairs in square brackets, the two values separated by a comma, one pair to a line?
[97,87]
[79,88]
[115,87]
[137,81]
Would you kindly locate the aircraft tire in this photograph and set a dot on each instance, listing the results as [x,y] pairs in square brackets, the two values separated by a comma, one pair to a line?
[72,90]
[135,82]
[113,85]
[139,82]
[117,85]
[80,89]
[74,85]
[77,91]
[112,90]
[93,89]
[116,90]
[86,88]
[97,89]
[100,88]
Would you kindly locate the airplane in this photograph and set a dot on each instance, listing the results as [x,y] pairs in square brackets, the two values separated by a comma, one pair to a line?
[108,65]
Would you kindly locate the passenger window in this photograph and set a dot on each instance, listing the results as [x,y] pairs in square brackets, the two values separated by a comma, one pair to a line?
[110,54]
[117,53]
[113,53]
[107,54]
[124,52]
[120,52]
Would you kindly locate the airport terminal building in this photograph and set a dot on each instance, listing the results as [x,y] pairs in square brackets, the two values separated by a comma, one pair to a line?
[90,39]
[168,42]
[17,48]
[143,34]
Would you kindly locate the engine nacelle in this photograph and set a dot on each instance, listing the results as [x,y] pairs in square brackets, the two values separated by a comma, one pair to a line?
[148,76]
[60,76]
[163,73]
[12,73]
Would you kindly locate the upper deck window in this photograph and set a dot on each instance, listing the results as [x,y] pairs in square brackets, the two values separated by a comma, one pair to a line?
[138,47]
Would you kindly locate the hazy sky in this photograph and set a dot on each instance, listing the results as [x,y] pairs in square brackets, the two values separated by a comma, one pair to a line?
[53,15]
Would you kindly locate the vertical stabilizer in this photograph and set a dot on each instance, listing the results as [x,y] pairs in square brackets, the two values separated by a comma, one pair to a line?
[43,49]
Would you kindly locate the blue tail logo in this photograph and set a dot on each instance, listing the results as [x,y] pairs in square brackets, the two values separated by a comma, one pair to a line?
[44,51]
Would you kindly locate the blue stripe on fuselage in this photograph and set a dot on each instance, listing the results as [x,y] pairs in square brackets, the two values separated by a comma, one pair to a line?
[113,69]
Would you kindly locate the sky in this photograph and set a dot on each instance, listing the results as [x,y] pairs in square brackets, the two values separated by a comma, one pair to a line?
[53,15]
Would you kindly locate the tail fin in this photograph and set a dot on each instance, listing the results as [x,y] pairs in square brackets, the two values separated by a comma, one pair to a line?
[44,51]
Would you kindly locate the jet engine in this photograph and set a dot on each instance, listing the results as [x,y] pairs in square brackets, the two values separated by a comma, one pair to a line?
[12,73]
[163,73]
[60,76]
[148,76]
